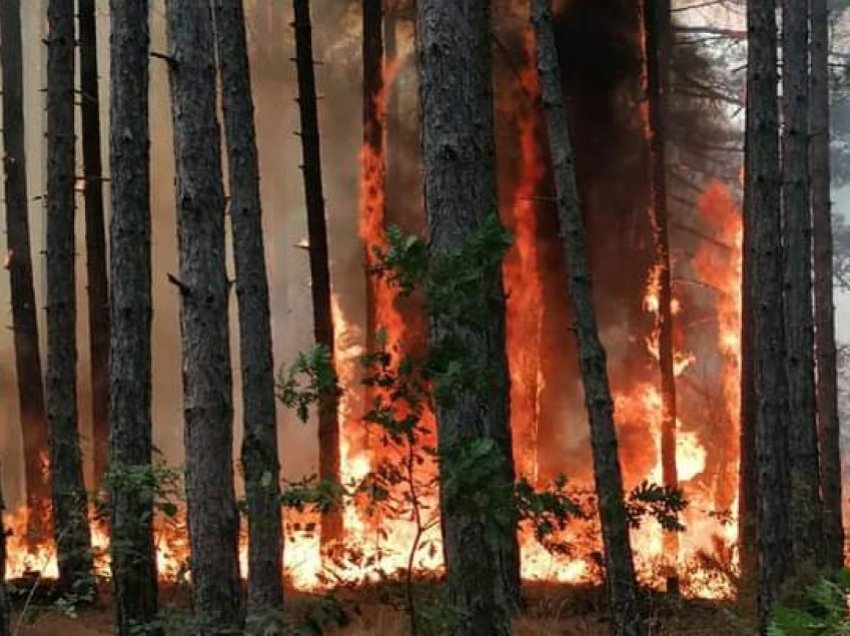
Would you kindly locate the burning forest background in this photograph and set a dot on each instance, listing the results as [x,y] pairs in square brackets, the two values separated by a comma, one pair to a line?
[367,190]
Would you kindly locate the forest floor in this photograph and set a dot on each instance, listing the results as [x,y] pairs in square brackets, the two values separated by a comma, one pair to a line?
[556,610]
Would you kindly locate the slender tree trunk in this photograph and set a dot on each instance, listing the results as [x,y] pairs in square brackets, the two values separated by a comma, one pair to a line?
[329,460]
[460,197]
[24,319]
[260,462]
[98,293]
[827,375]
[763,183]
[805,502]
[373,160]
[204,288]
[133,556]
[658,33]
[70,514]
[619,567]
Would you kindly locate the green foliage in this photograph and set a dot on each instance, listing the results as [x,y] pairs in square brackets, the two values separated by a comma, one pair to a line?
[821,612]
[662,503]
[310,380]
[549,511]
[312,493]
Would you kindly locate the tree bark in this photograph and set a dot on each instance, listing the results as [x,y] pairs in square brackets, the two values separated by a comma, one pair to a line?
[619,566]
[260,463]
[827,374]
[98,292]
[460,197]
[132,542]
[317,233]
[24,318]
[204,288]
[806,522]
[658,47]
[762,212]
[70,514]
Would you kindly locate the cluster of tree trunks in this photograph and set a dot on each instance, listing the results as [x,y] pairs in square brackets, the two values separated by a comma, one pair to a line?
[790,464]
[790,518]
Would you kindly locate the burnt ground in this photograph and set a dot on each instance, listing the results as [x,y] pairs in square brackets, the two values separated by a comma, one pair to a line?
[551,609]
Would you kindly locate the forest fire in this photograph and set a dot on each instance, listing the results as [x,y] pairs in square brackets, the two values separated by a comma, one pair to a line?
[496,351]
[374,544]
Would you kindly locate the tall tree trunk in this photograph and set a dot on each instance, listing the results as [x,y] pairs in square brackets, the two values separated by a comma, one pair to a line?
[317,233]
[805,502]
[658,48]
[133,556]
[619,567]
[373,160]
[70,514]
[24,319]
[204,288]
[763,183]
[827,374]
[460,197]
[98,293]
[260,463]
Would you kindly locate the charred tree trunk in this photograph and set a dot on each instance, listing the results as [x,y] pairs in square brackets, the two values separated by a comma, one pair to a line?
[619,566]
[827,374]
[658,47]
[317,233]
[460,198]
[805,502]
[260,463]
[204,288]
[98,292]
[373,160]
[763,183]
[24,318]
[133,556]
[70,514]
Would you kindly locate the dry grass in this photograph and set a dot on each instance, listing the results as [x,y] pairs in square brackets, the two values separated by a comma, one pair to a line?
[551,610]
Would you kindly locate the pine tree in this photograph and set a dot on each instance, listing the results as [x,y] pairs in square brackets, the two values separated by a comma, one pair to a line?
[133,559]
[317,234]
[619,566]
[70,513]
[764,295]
[658,49]
[203,286]
[827,380]
[805,499]
[24,319]
[460,198]
[260,463]
[97,284]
